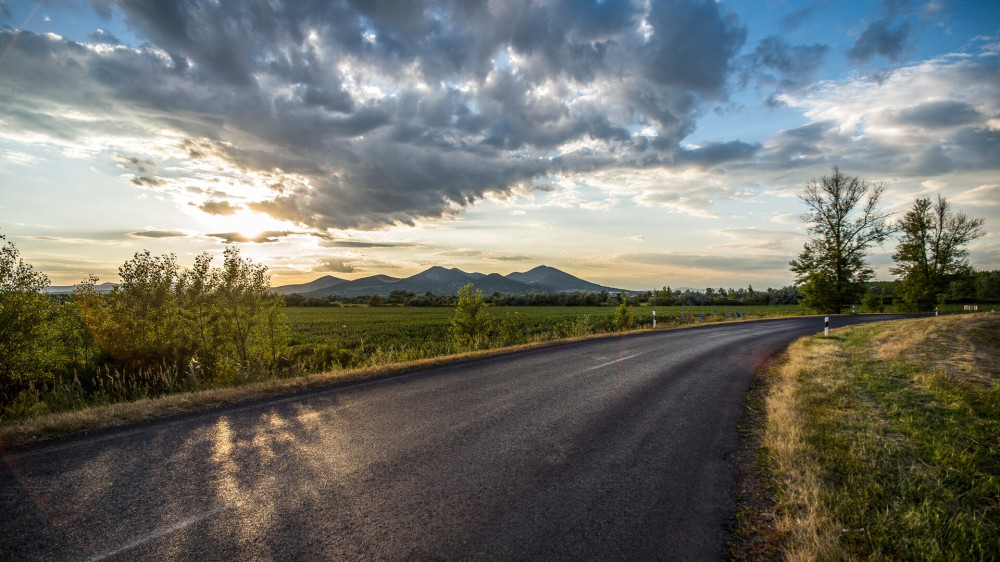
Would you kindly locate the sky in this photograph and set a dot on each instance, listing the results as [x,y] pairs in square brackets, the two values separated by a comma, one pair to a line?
[635,143]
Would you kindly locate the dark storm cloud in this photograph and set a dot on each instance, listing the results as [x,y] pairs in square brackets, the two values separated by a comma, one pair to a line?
[802,146]
[692,45]
[880,38]
[714,154]
[938,114]
[367,114]
[931,161]
[777,64]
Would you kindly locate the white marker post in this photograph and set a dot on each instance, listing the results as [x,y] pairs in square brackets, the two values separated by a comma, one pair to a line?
[826,327]
[654,319]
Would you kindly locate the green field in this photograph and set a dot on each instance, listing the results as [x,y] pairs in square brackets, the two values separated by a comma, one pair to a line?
[380,334]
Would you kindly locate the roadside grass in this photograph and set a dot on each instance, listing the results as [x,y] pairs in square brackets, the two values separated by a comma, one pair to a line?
[884,441]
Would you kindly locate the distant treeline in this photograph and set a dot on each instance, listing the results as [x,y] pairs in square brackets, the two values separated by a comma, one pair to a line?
[982,286]
[659,297]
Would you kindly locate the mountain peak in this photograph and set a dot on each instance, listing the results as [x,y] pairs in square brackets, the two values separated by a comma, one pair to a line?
[447,281]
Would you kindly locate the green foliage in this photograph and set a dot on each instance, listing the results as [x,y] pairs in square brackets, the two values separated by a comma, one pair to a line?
[226,321]
[623,317]
[872,302]
[988,285]
[511,330]
[470,324]
[931,258]
[24,315]
[844,223]
[662,297]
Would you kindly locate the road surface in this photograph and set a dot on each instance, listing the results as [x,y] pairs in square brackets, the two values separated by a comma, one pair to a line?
[608,449]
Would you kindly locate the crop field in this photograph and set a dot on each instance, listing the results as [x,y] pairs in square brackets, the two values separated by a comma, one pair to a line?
[379,334]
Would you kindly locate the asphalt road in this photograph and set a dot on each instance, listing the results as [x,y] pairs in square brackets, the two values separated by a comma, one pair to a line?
[608,449]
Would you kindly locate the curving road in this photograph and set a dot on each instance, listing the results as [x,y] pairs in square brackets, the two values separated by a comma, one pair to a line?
[606,449]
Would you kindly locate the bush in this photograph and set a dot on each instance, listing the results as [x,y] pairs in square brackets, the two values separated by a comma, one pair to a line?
[470,325]
[623,317]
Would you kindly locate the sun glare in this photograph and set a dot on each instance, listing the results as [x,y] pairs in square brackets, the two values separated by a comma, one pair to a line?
[246,224]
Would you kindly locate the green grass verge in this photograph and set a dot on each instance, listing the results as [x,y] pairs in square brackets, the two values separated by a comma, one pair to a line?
[885,451]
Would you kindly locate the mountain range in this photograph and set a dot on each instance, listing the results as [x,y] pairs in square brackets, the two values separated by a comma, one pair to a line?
[442,281]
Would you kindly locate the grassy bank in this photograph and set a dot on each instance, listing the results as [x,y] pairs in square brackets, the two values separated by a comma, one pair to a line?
[883,441]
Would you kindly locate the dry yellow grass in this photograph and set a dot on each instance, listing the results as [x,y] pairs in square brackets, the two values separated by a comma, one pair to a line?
[803,523]
[965,347]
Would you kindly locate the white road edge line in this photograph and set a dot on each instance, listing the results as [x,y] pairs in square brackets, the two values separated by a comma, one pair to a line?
[161,532]
[613,362]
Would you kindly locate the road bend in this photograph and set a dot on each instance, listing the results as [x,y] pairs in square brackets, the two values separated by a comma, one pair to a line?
[606,449]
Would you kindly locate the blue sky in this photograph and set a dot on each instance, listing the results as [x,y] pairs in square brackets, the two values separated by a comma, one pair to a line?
[633,143]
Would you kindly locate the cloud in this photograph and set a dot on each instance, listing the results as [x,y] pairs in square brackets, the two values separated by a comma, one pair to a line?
[223,208]
[333,265]
[461,253]
[368,244]
[797,17]
[982,196]
[512,257]
[719,263]
[880,38]
[367,115]
[927,118]
[939,114]
[774,63]
[157,234]
[147,181]
[262,238]
[714,154]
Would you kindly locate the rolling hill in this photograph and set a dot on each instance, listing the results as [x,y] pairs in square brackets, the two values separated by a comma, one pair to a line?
[444,281]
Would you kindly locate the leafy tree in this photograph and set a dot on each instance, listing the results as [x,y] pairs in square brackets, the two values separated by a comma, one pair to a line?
[844,223]
[988,285]
[470,325]
[225,319]
[140,322]
[251,313]
[24,313]
[873,302]
[931,255]
[663,297]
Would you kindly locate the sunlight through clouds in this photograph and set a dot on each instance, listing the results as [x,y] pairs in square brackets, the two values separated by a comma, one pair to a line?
[563,128]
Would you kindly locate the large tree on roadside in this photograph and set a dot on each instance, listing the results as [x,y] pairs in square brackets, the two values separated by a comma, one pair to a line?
[931,253]
[845,222]
[24,314]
